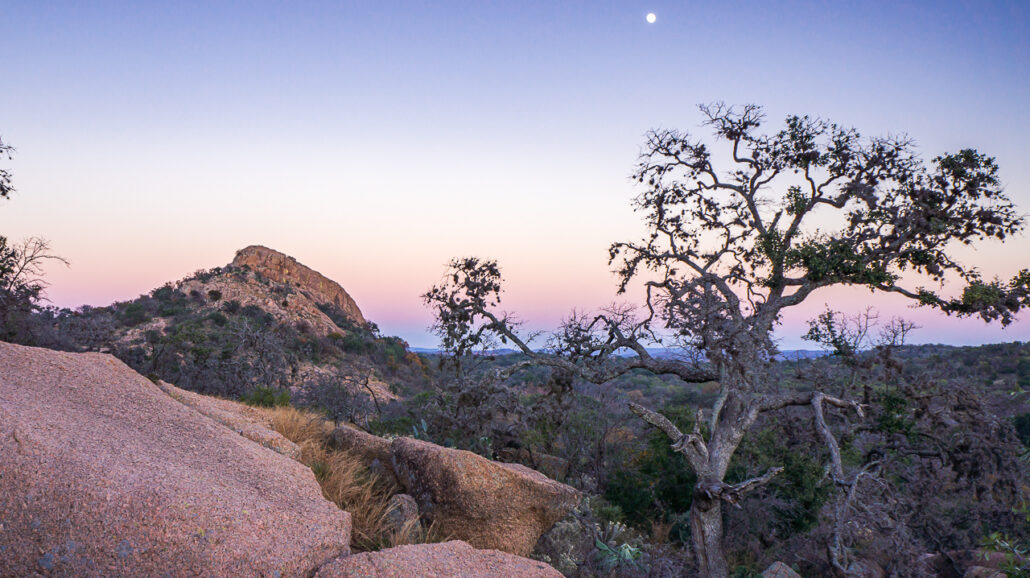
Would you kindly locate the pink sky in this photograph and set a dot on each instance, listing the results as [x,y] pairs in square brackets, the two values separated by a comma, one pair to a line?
[375,142]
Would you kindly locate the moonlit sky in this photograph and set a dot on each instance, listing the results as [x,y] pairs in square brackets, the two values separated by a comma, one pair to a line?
[373,141]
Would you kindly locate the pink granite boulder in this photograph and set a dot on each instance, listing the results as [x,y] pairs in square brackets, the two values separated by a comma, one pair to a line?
[103,473]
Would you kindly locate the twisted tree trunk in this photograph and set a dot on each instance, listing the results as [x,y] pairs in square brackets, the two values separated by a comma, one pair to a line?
[706,535]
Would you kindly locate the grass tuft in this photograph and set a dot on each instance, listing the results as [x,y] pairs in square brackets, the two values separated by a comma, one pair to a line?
[349,484]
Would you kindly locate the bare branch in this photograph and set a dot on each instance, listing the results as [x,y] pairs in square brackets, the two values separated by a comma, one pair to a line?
[734,493]
[690,445]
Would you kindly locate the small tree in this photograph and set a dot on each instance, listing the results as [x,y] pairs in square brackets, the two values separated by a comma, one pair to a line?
[729,249]
[6,188]
[21,272]
[22,285]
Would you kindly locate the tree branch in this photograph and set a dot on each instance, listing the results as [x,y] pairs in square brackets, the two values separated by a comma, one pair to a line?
[690,445]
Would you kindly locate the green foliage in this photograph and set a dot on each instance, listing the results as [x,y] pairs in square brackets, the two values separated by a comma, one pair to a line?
[836,261]
[320,469]
[1017,556]
[896,415]
[214,295]
[6,188]
[397,426]
[262,317]
[611,558]
[829,330]
[659,482]
[218,319]
[352,342]
[134,314]
[800,486]
[419,430]
[266,397]
[796,201]
[164,294]
[1022,425]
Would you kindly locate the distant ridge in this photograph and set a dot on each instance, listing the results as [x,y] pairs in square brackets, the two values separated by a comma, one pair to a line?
[658,352]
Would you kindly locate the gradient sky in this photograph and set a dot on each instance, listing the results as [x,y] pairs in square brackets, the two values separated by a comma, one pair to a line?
[373,141]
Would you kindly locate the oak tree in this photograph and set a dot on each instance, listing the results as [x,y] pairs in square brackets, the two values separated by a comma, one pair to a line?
[739,230]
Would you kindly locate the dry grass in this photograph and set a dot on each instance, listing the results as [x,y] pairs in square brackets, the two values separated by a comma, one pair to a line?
[660,532]
[300,426]
[415,532]
[349,484]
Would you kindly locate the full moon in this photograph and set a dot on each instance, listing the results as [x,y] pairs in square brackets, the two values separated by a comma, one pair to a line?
[651,18]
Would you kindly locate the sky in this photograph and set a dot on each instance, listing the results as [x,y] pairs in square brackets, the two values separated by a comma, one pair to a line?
[374,141]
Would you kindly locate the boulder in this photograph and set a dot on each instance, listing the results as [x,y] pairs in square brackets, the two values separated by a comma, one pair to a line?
[444,560]
[551,466]
[865,569]
[983,572]
[402,513]
[956,563]
[102,473]
[488,504]
[373,451]
[249,422]
[779,570]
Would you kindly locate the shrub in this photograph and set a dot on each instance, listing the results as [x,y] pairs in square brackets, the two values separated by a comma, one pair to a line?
[214,295]
[164,294]
[353,343]
[257,314]
[262,396]
[1022,424]
[660,482]
[218,319]
[134,314]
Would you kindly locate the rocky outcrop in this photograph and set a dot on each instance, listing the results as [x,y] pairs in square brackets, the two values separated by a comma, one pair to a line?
[373,451]
[779,570]
[551,466]
[402,513]
[285,269]
[249,422]
[103,473]
[956,563]
[285,304]
[488,504]
[444,560]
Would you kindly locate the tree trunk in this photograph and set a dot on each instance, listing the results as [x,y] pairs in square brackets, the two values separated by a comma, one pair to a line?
[706,534]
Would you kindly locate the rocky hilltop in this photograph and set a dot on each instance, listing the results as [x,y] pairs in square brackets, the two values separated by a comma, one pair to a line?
[285,269]
[263,321]
[279,285]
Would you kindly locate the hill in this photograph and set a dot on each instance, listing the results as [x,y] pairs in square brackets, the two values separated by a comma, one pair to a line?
[263,328]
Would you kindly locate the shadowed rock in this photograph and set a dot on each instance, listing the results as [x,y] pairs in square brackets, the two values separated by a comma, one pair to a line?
[373,451]
[102,473]
[449,559]
[551,466]
[779,570]
[490,505]
[402,513]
